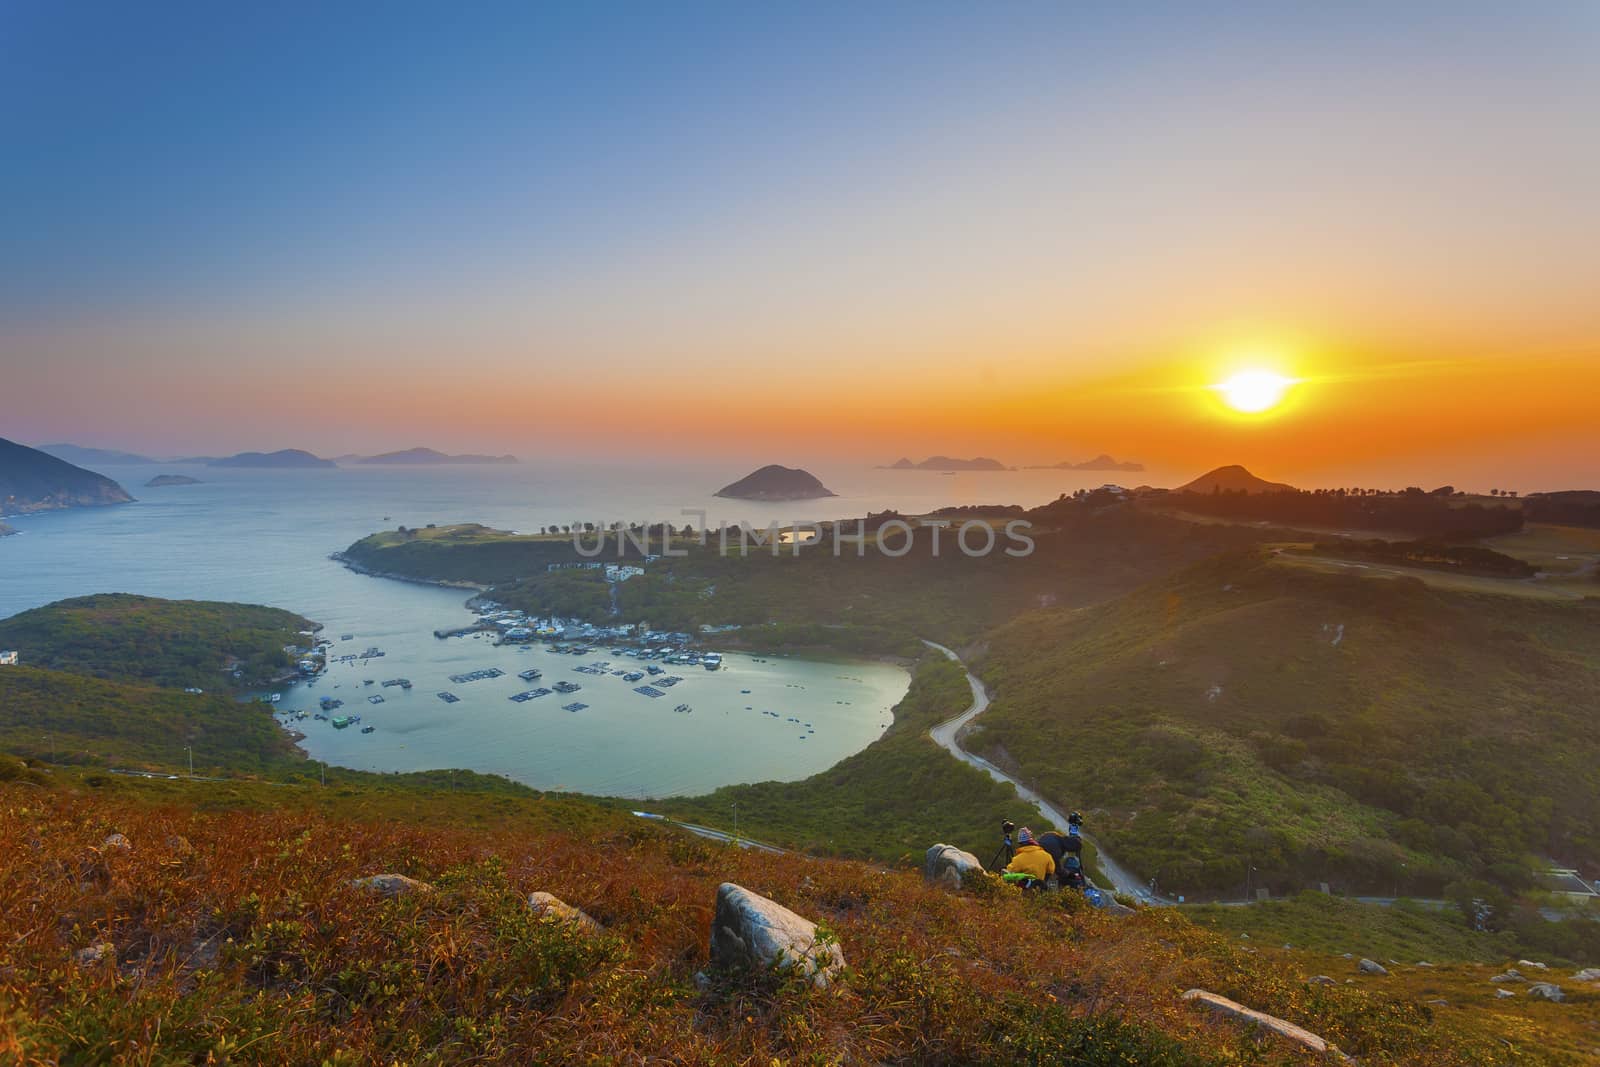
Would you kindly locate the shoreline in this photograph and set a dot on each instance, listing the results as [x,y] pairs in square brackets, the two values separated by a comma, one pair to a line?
[475,588]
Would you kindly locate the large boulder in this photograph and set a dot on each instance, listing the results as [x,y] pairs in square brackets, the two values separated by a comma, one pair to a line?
[1269,1023]
[748,930]
[1546,991]
[552,908]
[391,885]
[1588,974]
[1509,976]
[948,866]
[1372,967]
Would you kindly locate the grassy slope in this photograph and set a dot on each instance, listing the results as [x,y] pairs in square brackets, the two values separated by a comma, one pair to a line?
[88,720]
[1446,732]
[308,970]
[164,642]
[1407,931]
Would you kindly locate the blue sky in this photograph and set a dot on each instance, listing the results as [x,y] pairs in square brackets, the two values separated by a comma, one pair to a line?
[1033,189]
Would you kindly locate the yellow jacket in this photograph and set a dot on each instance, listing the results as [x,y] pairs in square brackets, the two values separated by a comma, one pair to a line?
[1032,861]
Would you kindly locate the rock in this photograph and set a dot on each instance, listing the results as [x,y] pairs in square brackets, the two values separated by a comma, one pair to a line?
[1439,1003]
[1503,993]
[552,908]
[1319,979]
[391,885]
[748,930]
[1509,976]
[1367,966]
[1347,956]
[948,866]
[1588,974]
[1547,991]
[1424,963]
[1530,963]
[1114,908]
[204,954]
[116,843]
[179,845]
[1270,1023]
[95,955]
[702,981]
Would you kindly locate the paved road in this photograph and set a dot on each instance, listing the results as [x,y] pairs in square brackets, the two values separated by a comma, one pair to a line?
[945,735]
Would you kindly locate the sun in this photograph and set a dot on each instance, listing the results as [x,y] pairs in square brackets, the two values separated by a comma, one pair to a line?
[1254,391]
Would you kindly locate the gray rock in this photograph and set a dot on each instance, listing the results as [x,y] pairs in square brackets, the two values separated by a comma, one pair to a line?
[1547,991]
[1319,979]
[1439,1003]
[552,908]
[1270,1023]
[748,930]
[1588,974]
[1503,993]
[94,955]
[391,885]
[116,843]
[1509,976]
[1424,963]
[1114,908]
[1531,964]
[948,866]
[1367,966]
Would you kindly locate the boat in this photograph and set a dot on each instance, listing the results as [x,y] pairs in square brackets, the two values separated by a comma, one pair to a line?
[633,676]
[341,722]
[374,699]
[448,697]
[567,687]
[368,729]
[683,709]
[711,661]
[530,675]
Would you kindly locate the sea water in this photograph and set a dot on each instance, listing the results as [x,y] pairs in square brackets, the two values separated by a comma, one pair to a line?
[265,537]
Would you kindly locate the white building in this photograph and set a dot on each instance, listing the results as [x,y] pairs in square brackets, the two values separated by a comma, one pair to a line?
[8,658]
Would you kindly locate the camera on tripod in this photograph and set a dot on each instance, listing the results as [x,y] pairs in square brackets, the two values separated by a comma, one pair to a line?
[1007,828]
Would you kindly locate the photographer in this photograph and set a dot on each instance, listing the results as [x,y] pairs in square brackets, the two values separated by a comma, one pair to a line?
[1060,845]
[1029,859]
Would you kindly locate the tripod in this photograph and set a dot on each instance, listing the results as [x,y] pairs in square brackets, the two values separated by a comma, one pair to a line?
[1002,855]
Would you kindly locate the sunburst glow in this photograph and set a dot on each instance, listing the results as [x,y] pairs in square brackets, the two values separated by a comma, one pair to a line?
[1254,391]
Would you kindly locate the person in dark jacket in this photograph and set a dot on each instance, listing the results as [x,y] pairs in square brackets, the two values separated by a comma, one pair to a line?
[1060,845]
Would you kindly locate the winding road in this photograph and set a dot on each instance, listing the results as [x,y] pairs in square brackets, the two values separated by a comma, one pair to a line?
[945,736]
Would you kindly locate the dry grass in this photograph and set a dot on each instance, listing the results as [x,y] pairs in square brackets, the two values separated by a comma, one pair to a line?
[239,940]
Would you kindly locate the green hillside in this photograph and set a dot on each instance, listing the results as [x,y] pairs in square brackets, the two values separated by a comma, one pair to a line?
[1377,734]
[78,719]
[179,643]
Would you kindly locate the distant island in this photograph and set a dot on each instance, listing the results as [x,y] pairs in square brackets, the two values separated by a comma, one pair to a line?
[774,482]
[287,457]
[94,457]
[31,480]
[1102,462]
[949,463]
[162,480]
[428,457]
[1232,479]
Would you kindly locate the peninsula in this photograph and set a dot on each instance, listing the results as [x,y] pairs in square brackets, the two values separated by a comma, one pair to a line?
[777,483]
[31,480]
